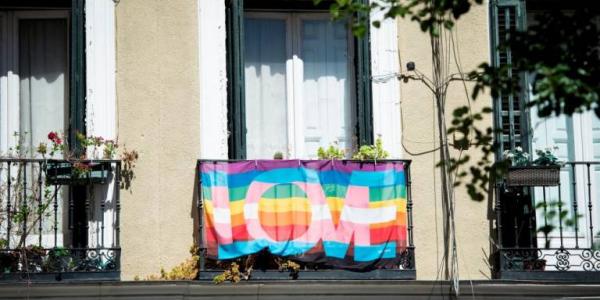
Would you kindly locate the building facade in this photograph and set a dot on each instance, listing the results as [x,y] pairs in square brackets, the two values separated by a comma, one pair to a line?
[184,80]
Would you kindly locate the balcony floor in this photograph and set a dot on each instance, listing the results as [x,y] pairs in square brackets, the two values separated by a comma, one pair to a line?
[330,290]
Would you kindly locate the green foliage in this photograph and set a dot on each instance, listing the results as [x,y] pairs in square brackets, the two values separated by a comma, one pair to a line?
[371,152]
[290,266]
[546,157]
[332,152]
[430,15]
[469,134]
[517,157]
[278,155]
[555,212]
[187,270]
[232,274]
[560,51]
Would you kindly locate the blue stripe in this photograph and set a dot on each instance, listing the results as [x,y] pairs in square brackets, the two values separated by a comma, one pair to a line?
[287,175]
[290,248]
[242,248]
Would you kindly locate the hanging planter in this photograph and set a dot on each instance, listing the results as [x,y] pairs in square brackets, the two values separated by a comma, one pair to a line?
[533,176]
[543,171]
[77,173]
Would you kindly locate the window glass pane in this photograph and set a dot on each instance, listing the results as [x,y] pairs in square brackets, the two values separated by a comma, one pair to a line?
[43,78]
[265,87]
[326,97]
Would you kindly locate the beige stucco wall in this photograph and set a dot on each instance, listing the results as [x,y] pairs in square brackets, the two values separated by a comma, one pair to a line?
[420,137]
[158,115]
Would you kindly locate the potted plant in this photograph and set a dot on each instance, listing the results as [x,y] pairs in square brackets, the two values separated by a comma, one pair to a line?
[58,260]
[543,171]
[79,170]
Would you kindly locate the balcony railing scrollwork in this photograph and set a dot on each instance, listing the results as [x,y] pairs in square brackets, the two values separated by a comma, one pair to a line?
[59,219]
[551,232]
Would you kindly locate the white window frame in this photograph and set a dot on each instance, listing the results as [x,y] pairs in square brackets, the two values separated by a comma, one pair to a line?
[295,74]
[212,65]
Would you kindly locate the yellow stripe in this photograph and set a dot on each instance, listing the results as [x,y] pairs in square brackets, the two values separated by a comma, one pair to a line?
[335,203]
[301,204]
[284,205]
[400,204]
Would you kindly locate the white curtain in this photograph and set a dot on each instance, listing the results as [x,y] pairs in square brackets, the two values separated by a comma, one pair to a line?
[43,76]
[265,76]
[326,95]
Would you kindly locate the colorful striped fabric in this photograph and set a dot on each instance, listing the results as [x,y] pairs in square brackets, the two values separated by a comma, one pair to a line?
[341,213]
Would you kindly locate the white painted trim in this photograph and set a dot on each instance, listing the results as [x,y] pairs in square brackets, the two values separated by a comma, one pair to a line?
[213,82]
[213,79]
[101,102]
[386,93]
[100,68]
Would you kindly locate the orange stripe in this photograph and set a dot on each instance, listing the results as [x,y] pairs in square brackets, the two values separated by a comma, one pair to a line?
[284,218]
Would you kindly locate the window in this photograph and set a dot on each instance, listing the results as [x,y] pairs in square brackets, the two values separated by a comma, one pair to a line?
[297,81]
[36,75]
[41,71]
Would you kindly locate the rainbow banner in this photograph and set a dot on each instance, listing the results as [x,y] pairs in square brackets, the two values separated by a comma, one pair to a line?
[341,213]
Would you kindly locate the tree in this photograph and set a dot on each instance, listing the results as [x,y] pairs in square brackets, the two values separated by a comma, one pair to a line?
[560,52]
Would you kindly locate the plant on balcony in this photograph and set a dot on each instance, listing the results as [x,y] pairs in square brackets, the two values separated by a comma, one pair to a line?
[371,152]
[58,260]
[543,171]
[332,152]
[187,270]
[77,169]
[364,152]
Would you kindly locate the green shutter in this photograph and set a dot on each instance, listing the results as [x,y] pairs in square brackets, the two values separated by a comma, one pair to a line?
[510,115]
[77,73]
[364,103]
[235,79]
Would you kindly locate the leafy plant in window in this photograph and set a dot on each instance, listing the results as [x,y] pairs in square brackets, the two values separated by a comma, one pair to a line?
[371,152]
[331,152]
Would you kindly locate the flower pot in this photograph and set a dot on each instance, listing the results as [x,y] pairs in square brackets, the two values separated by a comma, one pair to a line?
[67,173]
[534,265]
[533,176]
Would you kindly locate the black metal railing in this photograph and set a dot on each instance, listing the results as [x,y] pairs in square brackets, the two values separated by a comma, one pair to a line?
[404,269]
[59,219]
[551,232]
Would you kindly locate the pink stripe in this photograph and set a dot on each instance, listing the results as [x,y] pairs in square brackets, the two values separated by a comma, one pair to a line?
[314,192]
[256,190]
[357,196]
[220,196]
[223,233]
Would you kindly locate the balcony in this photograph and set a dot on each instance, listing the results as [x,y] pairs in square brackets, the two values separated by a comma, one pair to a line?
[262,213]
[59,219]
[550,232]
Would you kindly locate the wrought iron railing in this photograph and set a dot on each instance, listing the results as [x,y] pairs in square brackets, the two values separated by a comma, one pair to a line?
[404,269]
[551,232]
[59,219]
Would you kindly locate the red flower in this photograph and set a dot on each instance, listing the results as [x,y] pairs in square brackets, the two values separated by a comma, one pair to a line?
[52,135]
